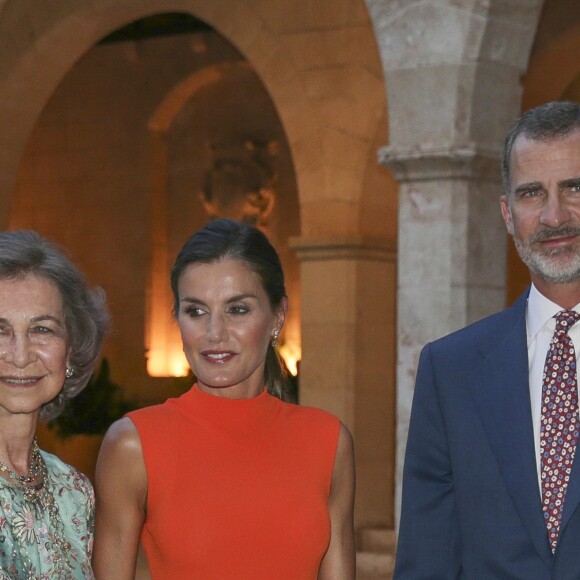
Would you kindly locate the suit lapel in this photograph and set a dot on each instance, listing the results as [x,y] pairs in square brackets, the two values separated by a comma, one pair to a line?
[500,387]
[572,493]
[572,498]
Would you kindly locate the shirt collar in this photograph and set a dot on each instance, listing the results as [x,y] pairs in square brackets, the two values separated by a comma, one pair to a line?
[539,310]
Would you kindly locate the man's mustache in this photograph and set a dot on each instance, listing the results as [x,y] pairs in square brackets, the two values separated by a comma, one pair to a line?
[550,234]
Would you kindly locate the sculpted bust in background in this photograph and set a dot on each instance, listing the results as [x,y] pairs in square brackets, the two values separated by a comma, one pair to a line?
[240,183]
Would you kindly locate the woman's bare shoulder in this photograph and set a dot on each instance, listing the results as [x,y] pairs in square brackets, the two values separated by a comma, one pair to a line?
[121,442]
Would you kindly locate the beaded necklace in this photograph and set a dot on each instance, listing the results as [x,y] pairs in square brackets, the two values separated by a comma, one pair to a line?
[34,470]
[34,513]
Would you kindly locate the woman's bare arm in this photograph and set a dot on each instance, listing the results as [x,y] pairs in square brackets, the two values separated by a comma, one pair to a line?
[339,561]
[121,486]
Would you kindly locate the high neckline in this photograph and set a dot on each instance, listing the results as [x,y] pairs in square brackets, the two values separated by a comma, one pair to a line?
[226,410]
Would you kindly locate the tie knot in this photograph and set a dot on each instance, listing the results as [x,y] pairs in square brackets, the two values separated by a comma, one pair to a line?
[565,319]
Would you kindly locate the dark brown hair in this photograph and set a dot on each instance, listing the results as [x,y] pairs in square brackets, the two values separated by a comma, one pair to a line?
[225,238]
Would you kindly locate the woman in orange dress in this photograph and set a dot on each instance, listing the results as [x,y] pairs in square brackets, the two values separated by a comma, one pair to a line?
[227,481]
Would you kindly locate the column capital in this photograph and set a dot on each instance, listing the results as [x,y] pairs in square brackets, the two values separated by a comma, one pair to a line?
[343,247]
[427,163]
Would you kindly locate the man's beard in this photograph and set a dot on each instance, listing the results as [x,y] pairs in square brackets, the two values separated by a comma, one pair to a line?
[557,265]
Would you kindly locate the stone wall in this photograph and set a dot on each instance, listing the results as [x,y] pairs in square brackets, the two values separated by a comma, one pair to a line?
[318,61]
[86,175]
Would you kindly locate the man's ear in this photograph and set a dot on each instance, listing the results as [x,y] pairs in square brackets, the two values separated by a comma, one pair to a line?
[506,213]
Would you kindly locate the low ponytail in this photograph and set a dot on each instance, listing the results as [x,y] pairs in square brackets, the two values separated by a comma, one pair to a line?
[275,375]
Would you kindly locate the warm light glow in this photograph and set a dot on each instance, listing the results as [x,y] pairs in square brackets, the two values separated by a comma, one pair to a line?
[291,352]
[167,363]
[178,366]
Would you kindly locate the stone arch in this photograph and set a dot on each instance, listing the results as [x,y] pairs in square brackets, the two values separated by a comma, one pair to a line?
[320,65]
[171,114]
[40,46]
[162,338]
[36,65]
[163,117]
[449,54]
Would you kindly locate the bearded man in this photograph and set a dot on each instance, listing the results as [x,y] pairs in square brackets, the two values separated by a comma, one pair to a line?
[491,486]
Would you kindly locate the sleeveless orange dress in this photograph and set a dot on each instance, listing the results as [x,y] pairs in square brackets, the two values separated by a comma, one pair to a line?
[237,489]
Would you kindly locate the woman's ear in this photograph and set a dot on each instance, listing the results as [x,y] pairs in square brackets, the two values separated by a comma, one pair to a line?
[281,314]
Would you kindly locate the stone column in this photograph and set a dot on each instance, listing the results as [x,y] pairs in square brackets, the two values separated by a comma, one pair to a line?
[451,254]
[452,73]
[348,288]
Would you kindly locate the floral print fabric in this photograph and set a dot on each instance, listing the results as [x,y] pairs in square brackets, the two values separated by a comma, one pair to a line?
[51,538]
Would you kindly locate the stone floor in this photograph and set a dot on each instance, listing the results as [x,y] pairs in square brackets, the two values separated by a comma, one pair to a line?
[374,559]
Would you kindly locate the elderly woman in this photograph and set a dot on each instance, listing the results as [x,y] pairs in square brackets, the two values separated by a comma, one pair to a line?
[51,331]
[227,481]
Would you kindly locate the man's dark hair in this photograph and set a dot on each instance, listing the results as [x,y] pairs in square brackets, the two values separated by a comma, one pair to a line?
[543,123]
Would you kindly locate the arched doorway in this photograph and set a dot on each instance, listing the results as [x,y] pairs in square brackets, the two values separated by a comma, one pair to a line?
[322,71]
[90,162]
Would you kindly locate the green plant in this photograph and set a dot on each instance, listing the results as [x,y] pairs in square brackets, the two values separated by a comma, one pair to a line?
[93,410]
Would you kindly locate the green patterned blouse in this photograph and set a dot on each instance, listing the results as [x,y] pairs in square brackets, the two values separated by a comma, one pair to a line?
[51,536]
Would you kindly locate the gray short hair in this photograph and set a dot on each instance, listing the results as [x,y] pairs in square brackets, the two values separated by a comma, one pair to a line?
[85,314]
[544,123]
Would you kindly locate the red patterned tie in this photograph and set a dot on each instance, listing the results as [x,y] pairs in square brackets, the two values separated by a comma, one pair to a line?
[559,428]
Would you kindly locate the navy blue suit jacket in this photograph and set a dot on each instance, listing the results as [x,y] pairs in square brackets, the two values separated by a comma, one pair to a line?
[471,504]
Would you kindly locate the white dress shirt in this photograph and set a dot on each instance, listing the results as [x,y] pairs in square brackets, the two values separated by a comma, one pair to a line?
[540,325]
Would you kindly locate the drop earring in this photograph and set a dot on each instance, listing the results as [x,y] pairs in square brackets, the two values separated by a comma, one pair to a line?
[275,334]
